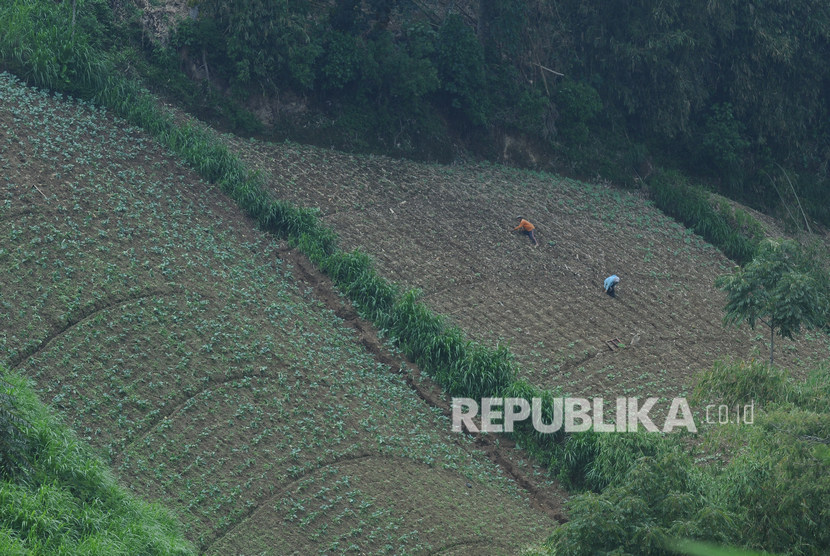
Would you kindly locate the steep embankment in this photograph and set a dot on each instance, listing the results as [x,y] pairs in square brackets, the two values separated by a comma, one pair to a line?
[180,343]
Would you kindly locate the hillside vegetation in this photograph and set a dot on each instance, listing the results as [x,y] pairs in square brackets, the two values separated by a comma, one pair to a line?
[730,93]
[178,342]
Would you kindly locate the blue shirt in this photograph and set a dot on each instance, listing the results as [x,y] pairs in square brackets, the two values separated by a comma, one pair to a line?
[610,281]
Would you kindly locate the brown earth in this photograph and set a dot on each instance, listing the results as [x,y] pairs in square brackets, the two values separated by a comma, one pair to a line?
[447,231]
[217,371]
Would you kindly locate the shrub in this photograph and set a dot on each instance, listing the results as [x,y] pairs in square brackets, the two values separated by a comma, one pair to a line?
[693,207]
[740,382]
[779,482]
[657,499]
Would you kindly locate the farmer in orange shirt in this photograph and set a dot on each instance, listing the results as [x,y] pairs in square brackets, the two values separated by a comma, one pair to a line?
[527,229]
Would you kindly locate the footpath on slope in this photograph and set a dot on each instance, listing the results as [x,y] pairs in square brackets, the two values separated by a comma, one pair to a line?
[501,450]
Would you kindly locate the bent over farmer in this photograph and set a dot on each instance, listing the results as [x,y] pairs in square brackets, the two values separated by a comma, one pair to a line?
[611,283]
[527,229]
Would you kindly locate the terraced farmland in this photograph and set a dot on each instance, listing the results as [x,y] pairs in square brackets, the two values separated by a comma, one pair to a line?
[179,341]
[446,230]
[225,379]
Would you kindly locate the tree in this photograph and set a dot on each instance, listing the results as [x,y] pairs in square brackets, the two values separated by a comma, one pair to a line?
[782,287]
[460,65]
[270,43]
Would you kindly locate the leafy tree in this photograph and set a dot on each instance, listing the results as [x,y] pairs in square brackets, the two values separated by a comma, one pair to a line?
[770,496]
[460,64]
[340,62]
[578,104]
[344,15]
[779,482]
[401,76]
[646,58]
[504,22]
[782,287]
[268,41]
[723,140]
[378,86]
[659,498]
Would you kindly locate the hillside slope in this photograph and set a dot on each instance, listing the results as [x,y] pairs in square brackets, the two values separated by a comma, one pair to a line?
[447,231]
[58,498]
[177,340]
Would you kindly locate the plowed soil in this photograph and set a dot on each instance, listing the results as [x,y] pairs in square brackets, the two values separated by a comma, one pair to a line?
[447,231]
[215,371]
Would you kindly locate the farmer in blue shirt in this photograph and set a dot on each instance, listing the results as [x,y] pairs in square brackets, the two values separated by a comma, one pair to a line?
[610,283]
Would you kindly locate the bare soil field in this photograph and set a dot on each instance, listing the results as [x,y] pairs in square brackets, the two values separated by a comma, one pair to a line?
[213,372]
[447,231]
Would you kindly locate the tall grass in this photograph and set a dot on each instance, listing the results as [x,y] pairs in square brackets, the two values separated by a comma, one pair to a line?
[68,502]
[37,43]
[461,367]
[735,233]
[15,448]
[738,382]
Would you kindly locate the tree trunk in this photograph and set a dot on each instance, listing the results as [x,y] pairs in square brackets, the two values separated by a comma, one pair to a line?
[204,63]
[771,344]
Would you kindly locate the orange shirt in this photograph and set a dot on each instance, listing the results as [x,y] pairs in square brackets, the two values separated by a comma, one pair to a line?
[525,225]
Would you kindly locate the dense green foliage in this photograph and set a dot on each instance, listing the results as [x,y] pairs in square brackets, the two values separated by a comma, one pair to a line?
[727,86]
[733,231]
[783,287]
[265,42]
[461,69]
[68,502]
[722,90]
[768,496]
